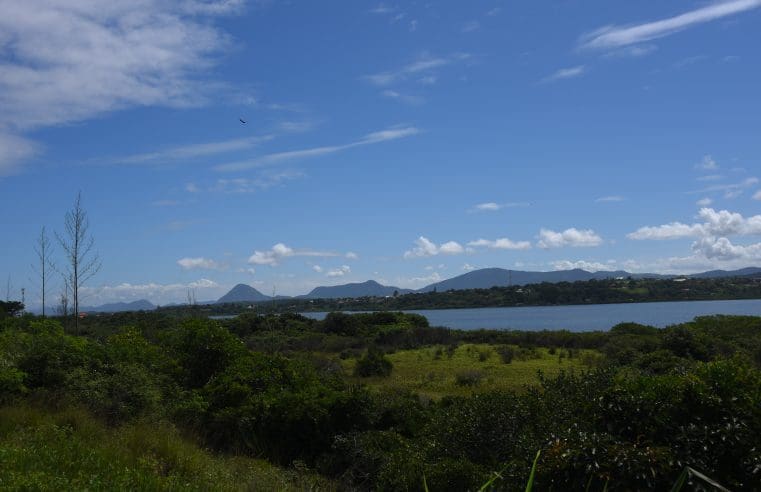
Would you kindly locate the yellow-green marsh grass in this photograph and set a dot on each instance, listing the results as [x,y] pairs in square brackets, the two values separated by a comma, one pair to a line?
[432,372]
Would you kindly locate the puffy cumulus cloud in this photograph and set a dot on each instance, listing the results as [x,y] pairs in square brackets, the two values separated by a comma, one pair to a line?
[590,266]
[570,237]
[198,264]
[317,268]
[425,248]
[722,249]
[712,248]
[469,268]
[451,248]
[714,223]
[339,272]
[501,243]
[154,292]
[351,255]
[280,251]
[704,202]
[757,195]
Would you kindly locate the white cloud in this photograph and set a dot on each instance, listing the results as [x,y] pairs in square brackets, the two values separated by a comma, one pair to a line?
[198,264]
[417,282]
[423,65]
[382,9]
[674,230]
[710,177]
[471,26]
[721,223]
[405,98]
[730,190]
[757,195]
[704,202]
[280,251]
[14,150]
[317,268]
[570,237]
[451,248]
[426,248]
[339,272]
[501,243]
[387,135]
[617,36]
[264,181]
[191,188]
[351,255]
[611,198]
[493,206]
[64,62]
[707,164]
[722,249]
[192,151]
[468,267]
[154,292]
[590,266]
[565,73]
[632,51]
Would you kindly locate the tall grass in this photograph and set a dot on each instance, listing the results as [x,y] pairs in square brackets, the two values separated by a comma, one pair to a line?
[70,450]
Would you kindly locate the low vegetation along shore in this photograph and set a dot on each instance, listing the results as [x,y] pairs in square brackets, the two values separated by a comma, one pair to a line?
[605,291]
[382,401]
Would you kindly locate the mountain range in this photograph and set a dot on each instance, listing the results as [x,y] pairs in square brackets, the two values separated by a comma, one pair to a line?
[477,279]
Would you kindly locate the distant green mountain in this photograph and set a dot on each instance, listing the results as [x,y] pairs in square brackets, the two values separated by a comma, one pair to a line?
[733,273]
[500,277]
[371,288]
[243,293]
[116,307]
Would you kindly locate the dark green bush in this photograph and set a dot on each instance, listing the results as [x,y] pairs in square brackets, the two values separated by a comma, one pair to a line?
[373,363]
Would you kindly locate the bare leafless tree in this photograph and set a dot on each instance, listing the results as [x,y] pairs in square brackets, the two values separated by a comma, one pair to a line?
[82,262]
[44,251]
[63,300]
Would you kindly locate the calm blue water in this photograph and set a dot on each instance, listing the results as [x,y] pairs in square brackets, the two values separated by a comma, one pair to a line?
[580,318]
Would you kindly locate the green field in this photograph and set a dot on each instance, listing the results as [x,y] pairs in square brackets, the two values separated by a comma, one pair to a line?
[433,372]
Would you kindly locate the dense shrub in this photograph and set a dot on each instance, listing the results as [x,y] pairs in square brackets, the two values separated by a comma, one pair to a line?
[373,363]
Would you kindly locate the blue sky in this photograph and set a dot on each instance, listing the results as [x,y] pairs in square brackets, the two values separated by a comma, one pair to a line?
[405,142]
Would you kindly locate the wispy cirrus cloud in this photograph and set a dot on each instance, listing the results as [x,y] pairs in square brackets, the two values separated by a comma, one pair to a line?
[191,151]
[565,73]
[425,64]
[279,252]
[14,150]
[65,62]
[494,206]
[610,198]
[612,37]
[394,133]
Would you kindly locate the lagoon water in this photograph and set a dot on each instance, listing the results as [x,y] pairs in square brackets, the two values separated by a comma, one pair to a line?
[580,318]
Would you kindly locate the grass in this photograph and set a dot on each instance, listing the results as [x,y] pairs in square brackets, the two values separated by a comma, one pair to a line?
[432,372]
[69,450]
